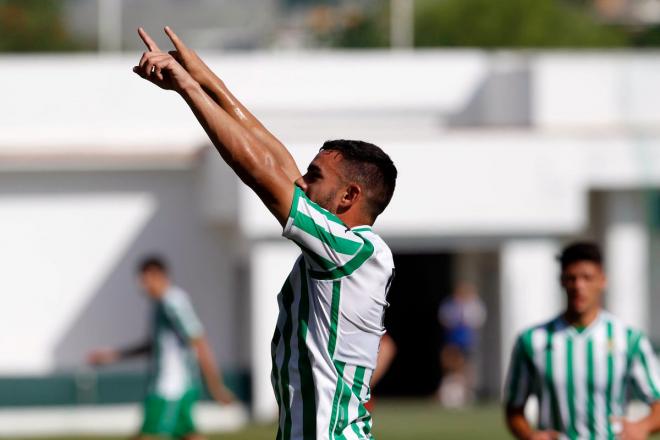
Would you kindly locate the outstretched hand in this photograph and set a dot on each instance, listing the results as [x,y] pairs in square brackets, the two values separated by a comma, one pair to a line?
[189,59]
[103,356]
[161,68]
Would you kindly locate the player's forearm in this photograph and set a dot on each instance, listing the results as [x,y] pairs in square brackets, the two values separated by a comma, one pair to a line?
[518,424]
[651,422]
[135,350]
[251,161]
[210,371]
[217,89]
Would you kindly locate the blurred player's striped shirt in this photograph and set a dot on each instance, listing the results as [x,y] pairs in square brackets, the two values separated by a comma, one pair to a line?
[330,322]
[582,378]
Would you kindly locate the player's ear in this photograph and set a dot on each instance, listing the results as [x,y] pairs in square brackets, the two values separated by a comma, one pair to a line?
[351,195]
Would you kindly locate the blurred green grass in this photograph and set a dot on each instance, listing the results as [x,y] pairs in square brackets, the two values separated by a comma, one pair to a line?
[398,420]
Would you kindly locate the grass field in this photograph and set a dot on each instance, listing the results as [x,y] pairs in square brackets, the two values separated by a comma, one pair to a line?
[401,420]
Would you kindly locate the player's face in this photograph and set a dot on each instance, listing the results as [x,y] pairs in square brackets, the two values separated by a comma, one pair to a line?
[154,282]
[584,283]
[323,182]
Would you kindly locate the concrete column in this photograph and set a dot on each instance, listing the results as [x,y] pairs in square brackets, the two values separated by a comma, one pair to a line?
[270,263]
[110,25]
[402,24]
[627,258]
[530,291]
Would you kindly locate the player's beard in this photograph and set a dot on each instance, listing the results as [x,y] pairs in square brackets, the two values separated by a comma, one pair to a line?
[326,201]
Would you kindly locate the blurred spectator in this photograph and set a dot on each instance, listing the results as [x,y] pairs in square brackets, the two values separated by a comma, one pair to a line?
[461,315]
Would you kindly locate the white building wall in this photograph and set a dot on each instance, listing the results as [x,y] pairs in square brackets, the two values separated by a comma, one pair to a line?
[69,243]
[627,249]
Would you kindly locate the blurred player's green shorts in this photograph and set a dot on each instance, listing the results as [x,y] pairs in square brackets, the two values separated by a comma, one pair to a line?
[169,417]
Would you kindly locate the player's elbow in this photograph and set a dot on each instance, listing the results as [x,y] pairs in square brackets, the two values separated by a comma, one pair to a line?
[261,170]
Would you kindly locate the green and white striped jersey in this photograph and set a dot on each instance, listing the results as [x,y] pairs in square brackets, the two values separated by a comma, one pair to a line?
[331,307]
[582,378]
[174,367]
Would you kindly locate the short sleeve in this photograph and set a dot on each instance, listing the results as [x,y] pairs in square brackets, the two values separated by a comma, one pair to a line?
[331,248]
[181,314]
[519,378]
[644,370]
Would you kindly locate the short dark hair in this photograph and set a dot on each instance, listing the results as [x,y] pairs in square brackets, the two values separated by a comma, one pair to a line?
[580,251]
[369,166]
[151,262]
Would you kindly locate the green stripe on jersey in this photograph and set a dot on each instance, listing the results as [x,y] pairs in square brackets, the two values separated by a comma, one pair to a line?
[591,389]
[336,401]
[647,372]
[517,361]
[554,403]
[339,244]
[570,389]
[610,378]
[324,263]
[358,383]
[363,255]
[287,301]
[334,318]
[304,364]
[300,194]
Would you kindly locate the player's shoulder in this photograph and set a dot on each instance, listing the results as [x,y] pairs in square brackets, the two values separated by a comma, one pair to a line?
[380,248]
[176,296]
[543,328]
[620,326]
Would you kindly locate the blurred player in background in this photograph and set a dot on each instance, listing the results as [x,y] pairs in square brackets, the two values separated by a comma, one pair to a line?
[178,350]
[331,306]
[582,365]
[461,315]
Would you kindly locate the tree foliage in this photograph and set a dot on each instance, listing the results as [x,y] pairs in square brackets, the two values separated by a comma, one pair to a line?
[510,23]
[33,25]
[486,24]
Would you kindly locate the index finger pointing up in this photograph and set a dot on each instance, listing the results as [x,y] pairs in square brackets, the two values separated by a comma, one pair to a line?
[148,41]
[175,39]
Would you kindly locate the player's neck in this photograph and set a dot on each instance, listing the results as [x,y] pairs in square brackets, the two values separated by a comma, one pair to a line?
[353,218]
[581,320]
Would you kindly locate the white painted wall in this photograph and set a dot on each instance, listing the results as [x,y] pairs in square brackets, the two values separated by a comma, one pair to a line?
[69,242]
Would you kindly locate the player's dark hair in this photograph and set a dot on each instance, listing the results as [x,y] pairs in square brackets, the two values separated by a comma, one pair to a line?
[580,251]
[370,166]
[152,262]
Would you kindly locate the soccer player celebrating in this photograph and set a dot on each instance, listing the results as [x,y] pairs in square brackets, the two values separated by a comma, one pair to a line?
[583,365]
[331,306]
[179,350]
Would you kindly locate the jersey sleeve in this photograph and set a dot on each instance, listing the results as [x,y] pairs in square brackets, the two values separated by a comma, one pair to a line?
[331,249]
[181,314]
[519,377]
[644,371]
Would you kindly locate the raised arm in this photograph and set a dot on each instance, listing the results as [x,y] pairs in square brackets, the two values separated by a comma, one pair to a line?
[217,90]
[252,160]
